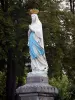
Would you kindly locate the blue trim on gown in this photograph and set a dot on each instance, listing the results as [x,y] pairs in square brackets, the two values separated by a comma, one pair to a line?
[34,45]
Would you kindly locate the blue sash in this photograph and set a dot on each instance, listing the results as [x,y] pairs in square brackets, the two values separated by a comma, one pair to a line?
[33,44]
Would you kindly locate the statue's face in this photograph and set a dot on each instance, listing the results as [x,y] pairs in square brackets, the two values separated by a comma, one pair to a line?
[33,17]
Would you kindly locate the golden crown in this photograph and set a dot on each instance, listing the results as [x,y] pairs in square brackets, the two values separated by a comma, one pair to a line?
[33,11]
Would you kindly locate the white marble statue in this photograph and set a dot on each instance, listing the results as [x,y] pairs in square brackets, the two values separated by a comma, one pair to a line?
[36,46]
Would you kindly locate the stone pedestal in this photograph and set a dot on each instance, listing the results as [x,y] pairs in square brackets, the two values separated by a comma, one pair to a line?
[37,88]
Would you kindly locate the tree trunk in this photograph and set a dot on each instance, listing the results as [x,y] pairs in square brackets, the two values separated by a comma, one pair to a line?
[72,5]
[11,77]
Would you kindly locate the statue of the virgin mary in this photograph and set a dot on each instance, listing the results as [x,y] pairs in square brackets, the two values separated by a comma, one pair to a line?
[36,45]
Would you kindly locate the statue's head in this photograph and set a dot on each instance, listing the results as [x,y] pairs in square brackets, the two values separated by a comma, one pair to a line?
[34,15]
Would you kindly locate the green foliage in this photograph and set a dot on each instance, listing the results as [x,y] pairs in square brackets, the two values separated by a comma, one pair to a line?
[21,80]
[63,86]
[2,84]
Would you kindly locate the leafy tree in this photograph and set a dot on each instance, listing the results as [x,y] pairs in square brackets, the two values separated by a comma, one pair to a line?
[13,41]
[63,86]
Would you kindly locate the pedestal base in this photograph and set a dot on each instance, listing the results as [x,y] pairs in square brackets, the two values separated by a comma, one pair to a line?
[35,96]
[37,88]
